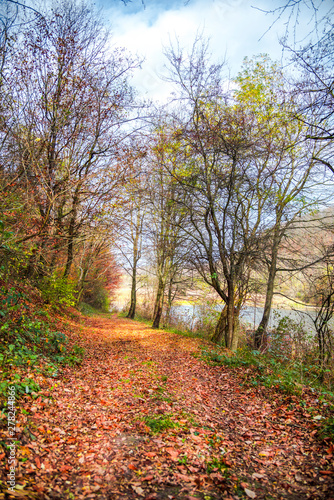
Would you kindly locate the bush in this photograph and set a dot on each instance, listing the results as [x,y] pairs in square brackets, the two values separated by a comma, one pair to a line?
[22,386]
[98,297]
[289,340]
[26,341]
[57,290]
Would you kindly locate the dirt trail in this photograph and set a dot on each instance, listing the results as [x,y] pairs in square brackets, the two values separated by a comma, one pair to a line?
[145,418]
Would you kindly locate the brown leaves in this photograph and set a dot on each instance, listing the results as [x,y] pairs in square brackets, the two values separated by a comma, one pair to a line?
[148,478]
[97,437]
[174,454]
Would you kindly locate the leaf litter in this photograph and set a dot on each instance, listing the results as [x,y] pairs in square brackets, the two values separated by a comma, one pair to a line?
[144,417]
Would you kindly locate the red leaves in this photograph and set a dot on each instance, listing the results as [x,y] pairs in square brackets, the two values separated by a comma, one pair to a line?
[174,454]
[65,468]
[97,436]
[148,478]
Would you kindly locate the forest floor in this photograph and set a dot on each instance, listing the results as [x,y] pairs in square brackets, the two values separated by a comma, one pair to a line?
[145,417]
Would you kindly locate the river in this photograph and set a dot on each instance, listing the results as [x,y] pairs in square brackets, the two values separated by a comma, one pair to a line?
[250,316]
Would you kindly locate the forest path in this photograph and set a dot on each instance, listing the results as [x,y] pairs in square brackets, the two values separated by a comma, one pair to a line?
[144,417]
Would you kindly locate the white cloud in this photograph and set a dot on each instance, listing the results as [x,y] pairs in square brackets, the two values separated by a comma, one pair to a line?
[233,26]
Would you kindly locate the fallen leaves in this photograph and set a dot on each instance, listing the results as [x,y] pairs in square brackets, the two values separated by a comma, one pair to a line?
[250,493]
[89,434]
[148,478]
[138,490]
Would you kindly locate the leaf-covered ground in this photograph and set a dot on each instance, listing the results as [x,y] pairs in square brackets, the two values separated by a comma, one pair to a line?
[144,417]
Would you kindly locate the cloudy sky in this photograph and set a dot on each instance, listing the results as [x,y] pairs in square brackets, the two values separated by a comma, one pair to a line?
[236,28]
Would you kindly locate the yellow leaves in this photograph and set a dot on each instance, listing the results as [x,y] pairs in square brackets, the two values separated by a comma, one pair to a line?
[25,451]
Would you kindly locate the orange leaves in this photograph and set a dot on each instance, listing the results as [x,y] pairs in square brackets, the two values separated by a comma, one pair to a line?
[99,438]
[227,462]
[65,468]
[103,402]
[174,454]
[183,477]
[148,478]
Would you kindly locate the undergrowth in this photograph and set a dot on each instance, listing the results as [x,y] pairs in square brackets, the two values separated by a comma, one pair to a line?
[29,343]
[285,375]
[89,310]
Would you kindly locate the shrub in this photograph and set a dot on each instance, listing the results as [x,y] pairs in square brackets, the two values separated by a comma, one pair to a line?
[26,341]
[98,298]
[57,290]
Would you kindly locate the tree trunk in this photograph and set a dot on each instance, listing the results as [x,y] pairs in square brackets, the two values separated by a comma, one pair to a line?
[136,256]
[82,284]
[157,318]
[263,326]
[230,333]
[220,331]
[169,302]
[69,258]
[71,232]
[223,335]
[132,309]
[158,305]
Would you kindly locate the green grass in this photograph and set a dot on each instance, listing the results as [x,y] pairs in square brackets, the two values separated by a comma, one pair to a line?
[89,310]
[159,423]
[286,375]
[217,463]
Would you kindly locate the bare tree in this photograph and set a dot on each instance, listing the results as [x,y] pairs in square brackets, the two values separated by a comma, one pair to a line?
[291,172]
[164,220]
[312,54]
[221,174]
[71,96]
[129,230]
